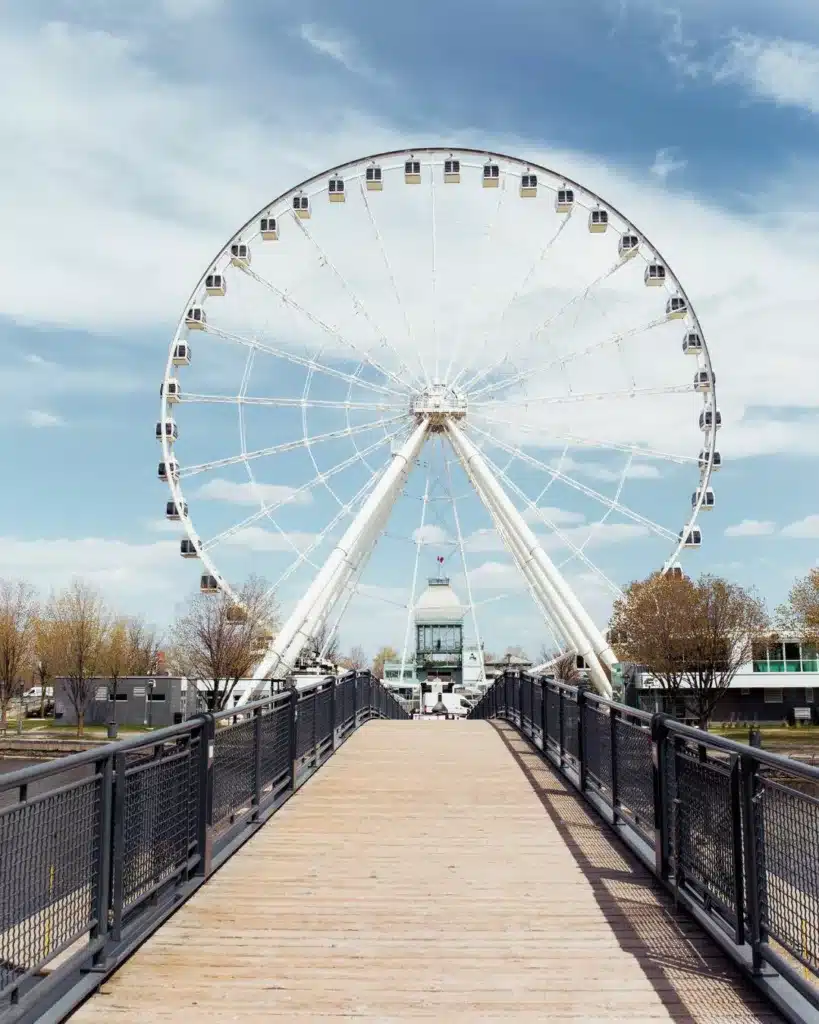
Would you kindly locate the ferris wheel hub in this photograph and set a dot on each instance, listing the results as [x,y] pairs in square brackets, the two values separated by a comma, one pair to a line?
[438,402]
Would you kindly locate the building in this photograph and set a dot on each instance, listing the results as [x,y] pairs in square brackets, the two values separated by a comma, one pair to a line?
[781,682]
[141,701]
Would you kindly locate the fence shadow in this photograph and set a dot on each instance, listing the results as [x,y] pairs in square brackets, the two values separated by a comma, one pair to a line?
[692,978]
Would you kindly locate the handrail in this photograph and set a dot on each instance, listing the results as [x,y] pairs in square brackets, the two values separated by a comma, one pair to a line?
[710,817]
[98,848]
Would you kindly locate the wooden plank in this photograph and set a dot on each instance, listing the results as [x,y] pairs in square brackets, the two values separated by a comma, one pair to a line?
[429,872]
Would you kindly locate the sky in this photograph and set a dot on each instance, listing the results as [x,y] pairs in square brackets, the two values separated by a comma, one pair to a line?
[138,139]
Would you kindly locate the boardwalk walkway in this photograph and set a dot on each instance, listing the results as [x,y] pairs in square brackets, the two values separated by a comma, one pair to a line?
[436,871]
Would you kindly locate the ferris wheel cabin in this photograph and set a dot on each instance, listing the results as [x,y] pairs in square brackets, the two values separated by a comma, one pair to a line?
[181,354]
[412,172]
[703,460]
[709,419]
[693,539]
[707,500]
[704,380]
[301,206]
[195,319]
[236,614]
[598,221]
[676,307]
[240,254]
[175,512]
[215,284]
[269,229]
[452,171]
[169,471]
[528,186]
[675,571]
[628,246]
[491,175]
[170,390]
[564,200]
[654,275]
[208,584]
[335,189]
[692,343]
[188,548]
[167,429]
[374,178]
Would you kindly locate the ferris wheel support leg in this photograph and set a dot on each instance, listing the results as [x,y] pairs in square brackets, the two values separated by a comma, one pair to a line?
[570,611]
[321,590]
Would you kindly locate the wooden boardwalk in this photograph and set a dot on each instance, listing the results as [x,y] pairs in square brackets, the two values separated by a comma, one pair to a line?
[436,871]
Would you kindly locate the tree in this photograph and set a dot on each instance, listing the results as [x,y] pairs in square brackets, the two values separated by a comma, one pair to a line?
[356,660]
[130,649]
[800,616]
[143,648]
[384,654]
[46,651]
[314,649]
[691,637]
[81,622]
[220,642]
[565,668]
[18,617]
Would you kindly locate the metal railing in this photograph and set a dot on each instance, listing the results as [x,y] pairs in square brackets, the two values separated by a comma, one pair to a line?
[98,848]
[731,830]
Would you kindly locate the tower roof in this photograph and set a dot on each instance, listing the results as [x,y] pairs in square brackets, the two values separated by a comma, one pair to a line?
[438,605]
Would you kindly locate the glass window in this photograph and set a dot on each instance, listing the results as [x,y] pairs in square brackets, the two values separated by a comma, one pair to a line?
[773,696]
[156,697]
[810,666]
[793,666]
[809,695]
[775,652]
[759,651]
[792,652]
[745,691]
[776,666]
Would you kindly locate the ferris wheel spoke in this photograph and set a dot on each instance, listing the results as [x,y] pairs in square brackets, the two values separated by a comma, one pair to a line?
[590,492]
[434,303]
[345,510]
[296,494]
[613,340]
[487,239]
[499,318]
[644,451]
[594,396]
[561,534]
[462,550]
[287,446]
[328,329]
[419,541]
[532,339]
[283,403]
[291,357]
[410,335]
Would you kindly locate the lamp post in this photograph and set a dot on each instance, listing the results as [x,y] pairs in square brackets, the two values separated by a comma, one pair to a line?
[113,728]
[149,709]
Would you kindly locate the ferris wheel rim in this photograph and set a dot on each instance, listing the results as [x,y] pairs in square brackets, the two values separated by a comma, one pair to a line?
[439,152]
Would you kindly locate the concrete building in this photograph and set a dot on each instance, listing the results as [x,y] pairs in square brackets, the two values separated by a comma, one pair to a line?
[141,701]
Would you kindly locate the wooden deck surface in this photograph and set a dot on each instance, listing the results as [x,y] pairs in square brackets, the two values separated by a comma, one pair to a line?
[437,871]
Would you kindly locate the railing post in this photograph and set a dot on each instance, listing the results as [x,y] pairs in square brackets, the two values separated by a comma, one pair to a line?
[581,737]
[736,842]
[753,870]
[118,855]
[543,719]
[315,759]
[102,895]
[204,832]
[355,700]
[615,795]
[659,755]
[257,761]
[518,690]
[561,722]
[294,715]
[333,689]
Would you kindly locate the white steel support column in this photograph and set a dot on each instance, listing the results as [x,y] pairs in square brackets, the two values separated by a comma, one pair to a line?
[565,601]
[321,591]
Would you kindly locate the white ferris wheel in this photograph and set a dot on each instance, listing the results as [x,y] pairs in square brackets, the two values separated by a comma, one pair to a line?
[486,322]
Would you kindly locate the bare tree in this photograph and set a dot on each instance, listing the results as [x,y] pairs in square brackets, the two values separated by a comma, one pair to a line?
[800,615]
[129,650]
[81,622]
[18,618]
[143,648]
[314,649]
[46,651]
[565,668]
[691,637]
[219,642]
[383,655]
[356,660]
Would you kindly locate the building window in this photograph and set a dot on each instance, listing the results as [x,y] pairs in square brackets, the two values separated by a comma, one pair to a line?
[745,691]
[391,673]
[408,673]
[156,697]
[809,695]
[773,696]
[809,658]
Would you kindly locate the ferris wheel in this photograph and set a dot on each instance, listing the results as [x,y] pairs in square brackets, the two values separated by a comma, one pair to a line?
[429,330]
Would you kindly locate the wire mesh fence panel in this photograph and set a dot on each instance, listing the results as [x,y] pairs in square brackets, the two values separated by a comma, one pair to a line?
[787,832]
[553,717]
[305,725]
[234,769]
[324,714]
[194,791]
[701,828]
[597,745]
[49,851]
[569,726]
[275,739]
[537,708]
[156,822]
[635,787]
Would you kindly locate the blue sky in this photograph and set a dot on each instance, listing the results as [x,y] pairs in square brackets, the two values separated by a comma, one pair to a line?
[138,138]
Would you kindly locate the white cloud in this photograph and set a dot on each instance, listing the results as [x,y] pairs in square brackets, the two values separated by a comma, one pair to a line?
[803,528]
[431,534]
[751,528]
[496,576]
[780,70]
[248,493]
[335,45]
[561,516]
[665,163]
[258,539]
[38,418]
